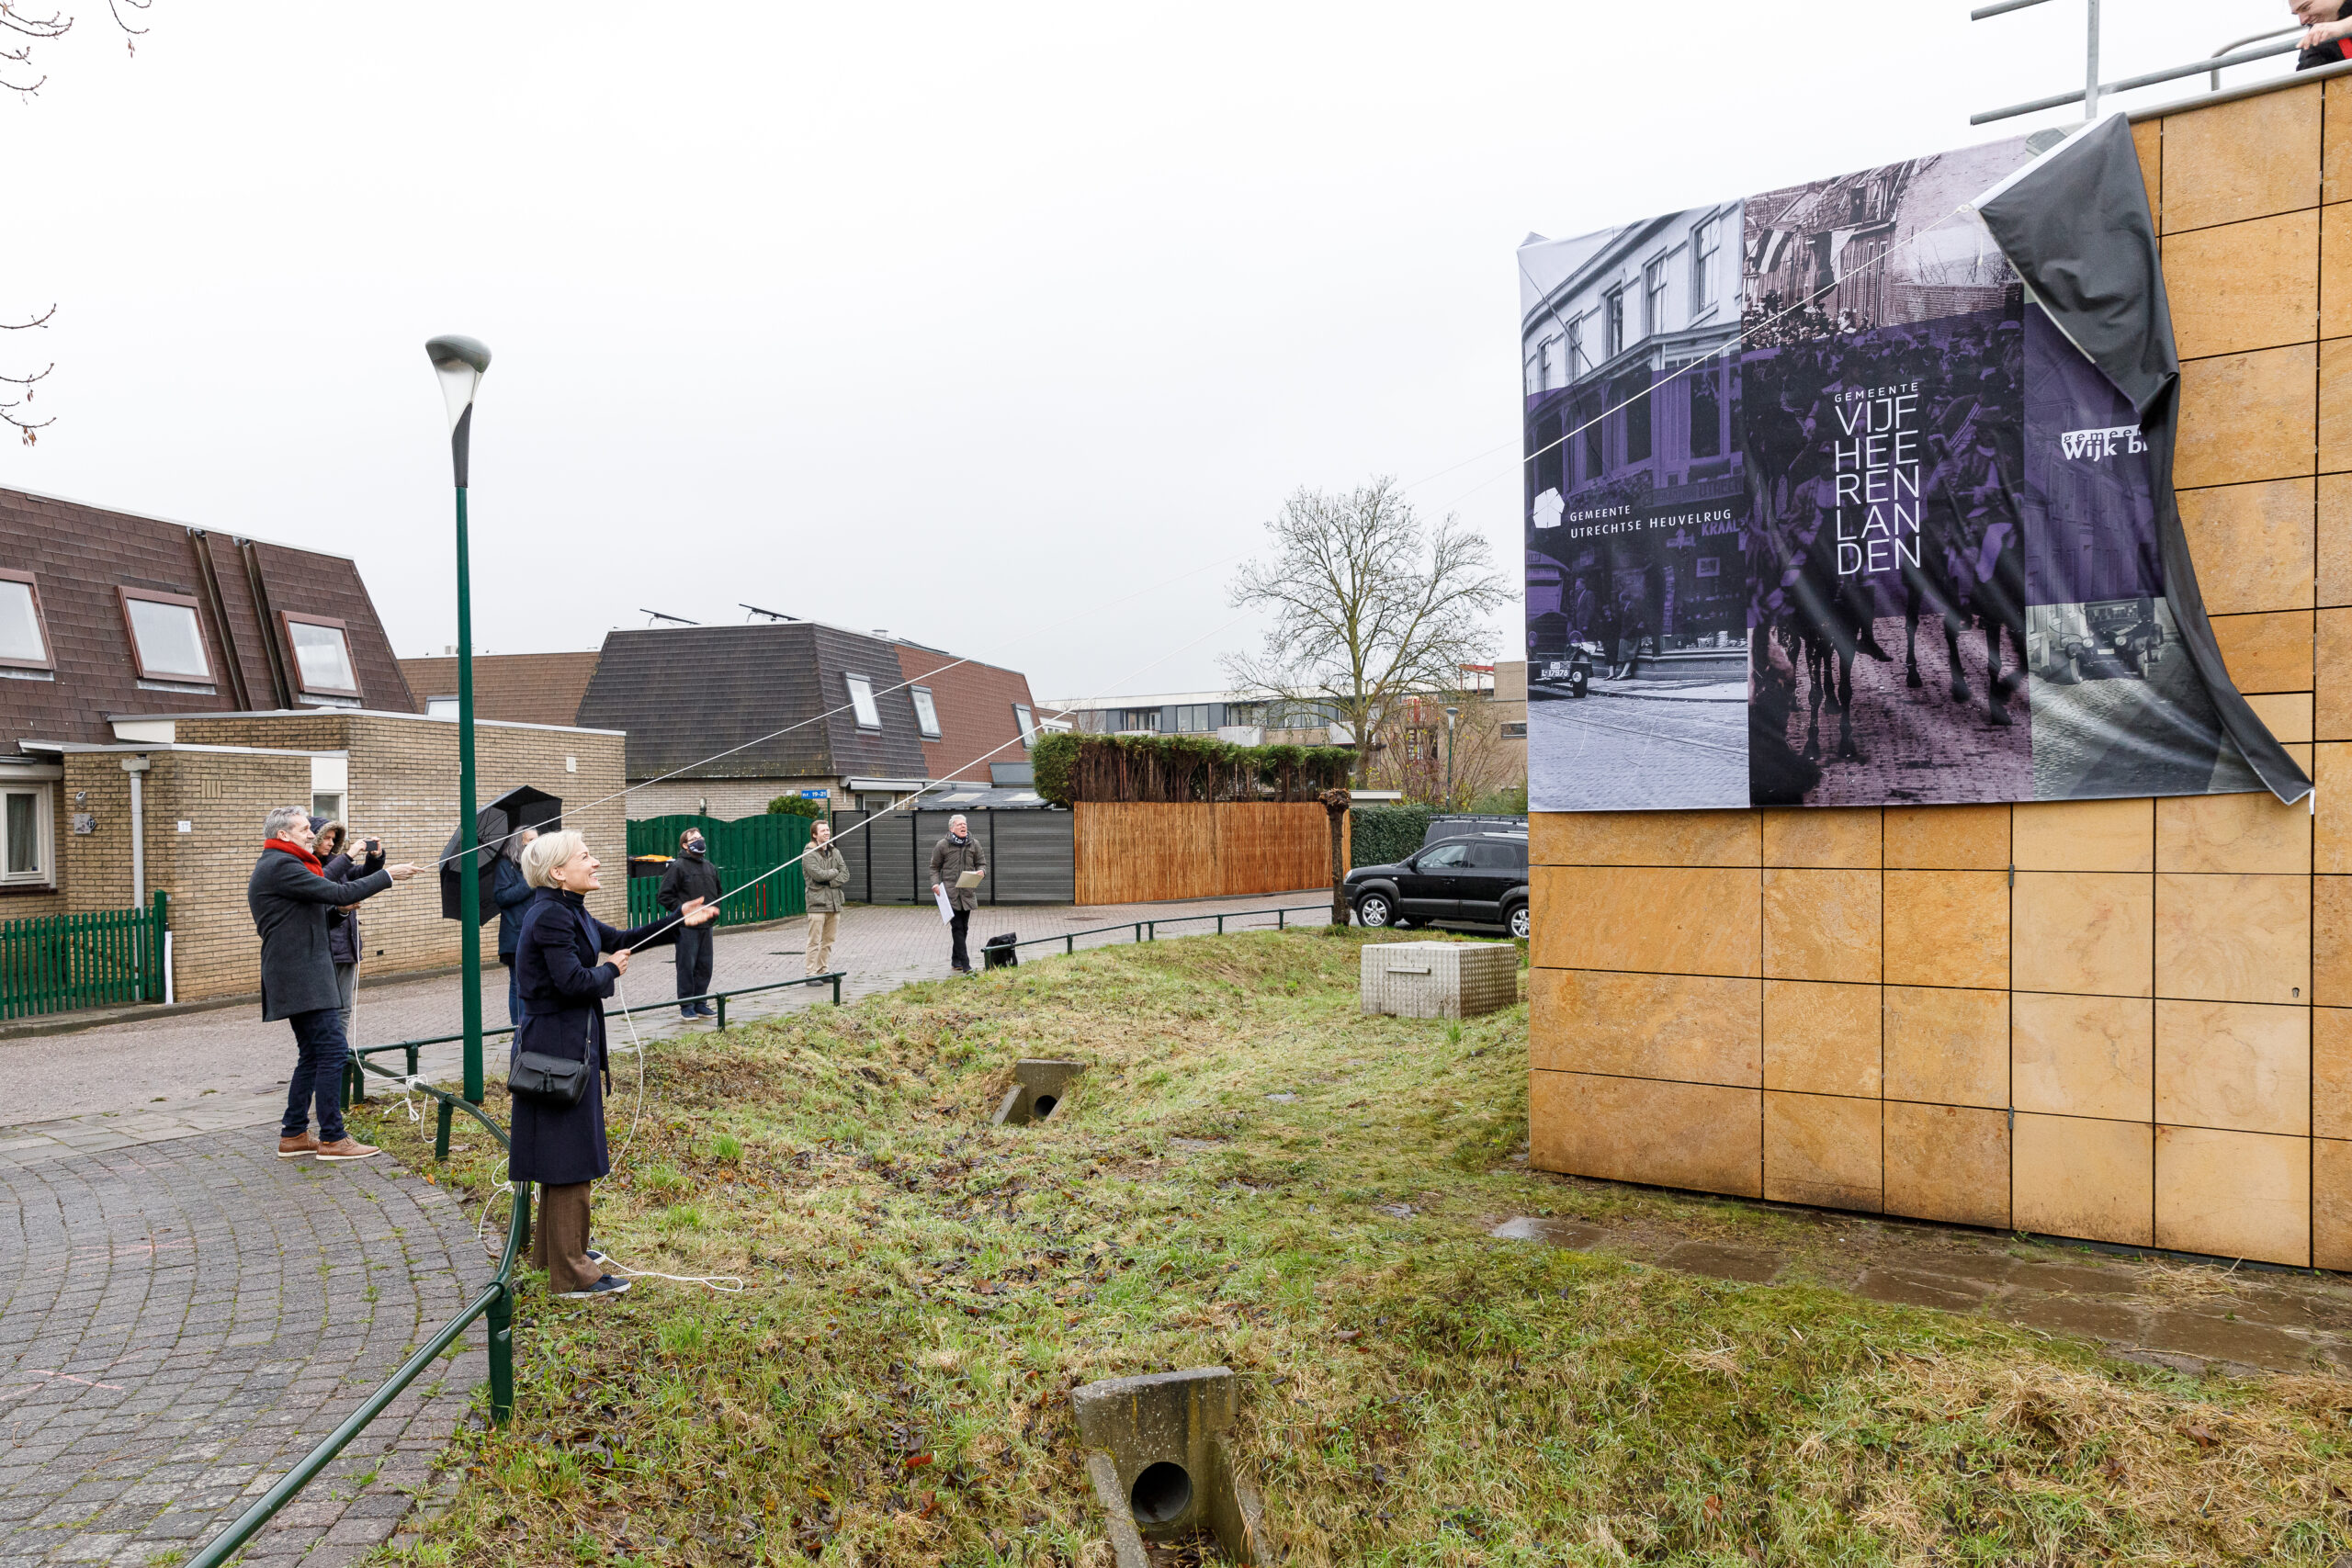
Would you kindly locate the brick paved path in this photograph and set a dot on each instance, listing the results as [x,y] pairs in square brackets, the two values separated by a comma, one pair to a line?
[180,1321]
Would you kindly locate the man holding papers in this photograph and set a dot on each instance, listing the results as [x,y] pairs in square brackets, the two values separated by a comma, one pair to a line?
[956,868]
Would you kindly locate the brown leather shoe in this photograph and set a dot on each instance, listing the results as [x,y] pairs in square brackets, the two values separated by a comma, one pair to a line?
[345,1148]
[295,1148]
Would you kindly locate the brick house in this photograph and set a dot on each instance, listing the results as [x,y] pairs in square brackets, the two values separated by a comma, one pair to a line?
[162,686]
[530,688]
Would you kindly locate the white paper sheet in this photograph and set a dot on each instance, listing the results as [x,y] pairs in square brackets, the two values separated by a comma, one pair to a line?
[947,911]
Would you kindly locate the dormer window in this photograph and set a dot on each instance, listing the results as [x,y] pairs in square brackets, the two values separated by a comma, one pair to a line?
[24,637]
[861,700]
[323,663]
[166,640]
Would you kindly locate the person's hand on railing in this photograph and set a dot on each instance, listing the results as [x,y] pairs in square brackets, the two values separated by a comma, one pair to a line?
[694,912]
[400,872]
[2325,32]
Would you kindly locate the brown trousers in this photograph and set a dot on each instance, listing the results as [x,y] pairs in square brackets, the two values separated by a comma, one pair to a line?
[559,1241]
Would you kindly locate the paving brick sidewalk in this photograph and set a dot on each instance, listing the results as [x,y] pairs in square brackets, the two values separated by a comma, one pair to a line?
[181,1320]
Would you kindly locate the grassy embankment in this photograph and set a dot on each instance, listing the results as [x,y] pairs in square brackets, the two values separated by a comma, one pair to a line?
[893,1391]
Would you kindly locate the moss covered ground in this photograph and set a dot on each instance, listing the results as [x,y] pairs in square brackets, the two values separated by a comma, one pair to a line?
[924,1291]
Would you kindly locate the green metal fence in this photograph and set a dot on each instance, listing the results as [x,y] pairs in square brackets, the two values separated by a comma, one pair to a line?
[741,851]
[103,958]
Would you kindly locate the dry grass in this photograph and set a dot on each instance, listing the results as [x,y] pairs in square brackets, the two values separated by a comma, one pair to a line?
[894,1392]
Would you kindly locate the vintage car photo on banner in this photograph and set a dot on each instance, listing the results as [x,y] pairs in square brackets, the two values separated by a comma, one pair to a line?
[1827,507]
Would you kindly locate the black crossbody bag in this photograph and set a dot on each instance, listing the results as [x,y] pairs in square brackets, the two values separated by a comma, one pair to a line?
[556,1081]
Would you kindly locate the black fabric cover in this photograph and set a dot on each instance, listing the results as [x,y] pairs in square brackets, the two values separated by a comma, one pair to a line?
[2076,225]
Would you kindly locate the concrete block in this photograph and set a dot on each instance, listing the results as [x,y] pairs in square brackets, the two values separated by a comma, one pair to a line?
[1159,1464]
[1439,979]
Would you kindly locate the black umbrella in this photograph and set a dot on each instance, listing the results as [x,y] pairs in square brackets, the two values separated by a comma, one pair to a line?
[495,827]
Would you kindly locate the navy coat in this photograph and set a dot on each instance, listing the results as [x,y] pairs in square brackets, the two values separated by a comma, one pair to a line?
[563,991]
[343,925]
[514,897]
[290,904]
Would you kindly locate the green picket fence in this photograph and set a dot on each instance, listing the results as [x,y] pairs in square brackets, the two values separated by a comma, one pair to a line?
[105,958]
[741,851]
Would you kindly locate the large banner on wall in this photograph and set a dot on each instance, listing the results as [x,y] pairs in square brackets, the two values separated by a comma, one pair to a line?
[1858,492]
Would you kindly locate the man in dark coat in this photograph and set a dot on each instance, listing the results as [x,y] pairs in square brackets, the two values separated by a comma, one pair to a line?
[289,897]
[691,878]
[950,859]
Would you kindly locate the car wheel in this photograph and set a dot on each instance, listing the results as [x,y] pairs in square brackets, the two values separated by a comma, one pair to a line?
[1373,909]
[1518,920]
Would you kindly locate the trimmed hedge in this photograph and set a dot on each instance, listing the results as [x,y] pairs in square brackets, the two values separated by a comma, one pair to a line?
[792,806]
[1180,768]
[1382,835]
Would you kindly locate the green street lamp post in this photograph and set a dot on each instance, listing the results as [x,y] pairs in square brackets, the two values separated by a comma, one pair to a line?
[459,362]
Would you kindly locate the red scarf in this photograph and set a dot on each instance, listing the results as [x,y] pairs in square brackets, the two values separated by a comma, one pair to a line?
[298,851]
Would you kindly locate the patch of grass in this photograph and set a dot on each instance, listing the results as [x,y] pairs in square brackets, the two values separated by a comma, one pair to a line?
[928,1289]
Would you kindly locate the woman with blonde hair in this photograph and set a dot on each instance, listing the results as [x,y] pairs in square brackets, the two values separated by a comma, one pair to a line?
[559,1143]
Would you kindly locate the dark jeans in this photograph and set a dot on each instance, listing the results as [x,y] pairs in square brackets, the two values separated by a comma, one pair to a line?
[514,995]
[957,929]
[694,956]
[319,1056]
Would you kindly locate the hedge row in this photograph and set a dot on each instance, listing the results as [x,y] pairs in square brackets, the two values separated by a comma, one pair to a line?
[1178,768]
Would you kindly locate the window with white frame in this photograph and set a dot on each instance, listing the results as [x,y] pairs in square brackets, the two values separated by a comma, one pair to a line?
[926,712]
[1575,349]
[166,638]
[440,707]
[321,654]
[1612,322]
[1544,363]
[26,847]
[23,638]
[1028,724]
[861,699]
[1705,241]
[1654,297]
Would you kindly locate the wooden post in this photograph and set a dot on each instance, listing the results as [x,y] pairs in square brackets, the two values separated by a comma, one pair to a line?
[1336,803]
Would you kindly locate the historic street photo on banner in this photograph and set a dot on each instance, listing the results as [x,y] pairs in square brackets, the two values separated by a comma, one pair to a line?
[1636,597]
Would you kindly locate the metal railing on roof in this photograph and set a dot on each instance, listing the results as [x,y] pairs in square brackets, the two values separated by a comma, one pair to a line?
[2237,52]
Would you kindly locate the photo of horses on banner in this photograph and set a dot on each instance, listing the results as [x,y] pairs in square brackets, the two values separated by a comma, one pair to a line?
[1883,365]
[1636,595]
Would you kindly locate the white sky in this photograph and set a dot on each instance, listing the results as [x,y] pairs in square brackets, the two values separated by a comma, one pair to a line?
[1003,328]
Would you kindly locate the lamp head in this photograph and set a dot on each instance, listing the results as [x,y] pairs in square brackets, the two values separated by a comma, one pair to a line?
[1452,714]
[459,362]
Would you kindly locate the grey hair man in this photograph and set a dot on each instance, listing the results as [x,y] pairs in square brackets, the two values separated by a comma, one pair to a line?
[290,895]
[951,859]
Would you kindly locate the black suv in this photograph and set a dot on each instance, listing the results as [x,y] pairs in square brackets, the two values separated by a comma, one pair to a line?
[1476,880]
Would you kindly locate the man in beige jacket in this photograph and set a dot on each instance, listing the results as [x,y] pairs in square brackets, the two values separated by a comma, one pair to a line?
[826,872]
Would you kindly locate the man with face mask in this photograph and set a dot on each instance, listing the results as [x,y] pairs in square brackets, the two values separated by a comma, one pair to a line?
[691,876]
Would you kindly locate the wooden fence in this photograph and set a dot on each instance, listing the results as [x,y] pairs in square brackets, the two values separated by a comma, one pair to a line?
[1139,853]
[103,958]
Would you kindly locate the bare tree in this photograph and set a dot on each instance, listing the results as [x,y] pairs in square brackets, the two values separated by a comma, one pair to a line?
[1367,603]
[15,67]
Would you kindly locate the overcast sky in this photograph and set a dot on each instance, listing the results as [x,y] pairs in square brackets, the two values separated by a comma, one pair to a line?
[1001,328]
